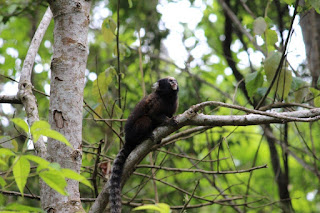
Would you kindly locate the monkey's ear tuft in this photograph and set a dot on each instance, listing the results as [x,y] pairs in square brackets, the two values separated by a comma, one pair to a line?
[155,86]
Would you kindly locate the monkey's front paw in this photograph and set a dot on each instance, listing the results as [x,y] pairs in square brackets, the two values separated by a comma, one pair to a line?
[173,121]
[153,138]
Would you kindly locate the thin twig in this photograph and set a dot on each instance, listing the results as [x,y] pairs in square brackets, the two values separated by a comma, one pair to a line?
[187,203]
[238,24]
[95,170]
[100,119]
[107,119]
[202,171]
[188,157]
[282,57]
[251,173]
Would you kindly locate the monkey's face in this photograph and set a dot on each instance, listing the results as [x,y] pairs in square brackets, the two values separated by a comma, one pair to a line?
[173,83]
[166,84]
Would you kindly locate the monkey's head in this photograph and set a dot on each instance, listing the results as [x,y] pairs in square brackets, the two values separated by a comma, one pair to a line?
[168,85]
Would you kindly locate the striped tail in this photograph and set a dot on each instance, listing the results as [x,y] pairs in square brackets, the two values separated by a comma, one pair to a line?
[115,179]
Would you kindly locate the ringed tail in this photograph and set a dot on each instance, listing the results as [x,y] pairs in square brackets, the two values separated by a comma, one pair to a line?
[115,179]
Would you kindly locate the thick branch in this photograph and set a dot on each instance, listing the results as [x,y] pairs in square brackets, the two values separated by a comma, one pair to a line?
[9,99]
[228,31]
[191,117]
[311,35]
[25,87]
[280,175]
[238,24]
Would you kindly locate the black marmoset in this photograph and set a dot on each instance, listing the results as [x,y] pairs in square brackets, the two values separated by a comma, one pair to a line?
[152,111]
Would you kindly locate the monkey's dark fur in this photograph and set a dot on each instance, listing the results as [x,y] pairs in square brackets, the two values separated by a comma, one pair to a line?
[152,111]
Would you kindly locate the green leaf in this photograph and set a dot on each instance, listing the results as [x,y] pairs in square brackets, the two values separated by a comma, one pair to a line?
[36,129]
[259,26]
[55,166]
[112,24]
[124,50]
[68,173]
[107,35]
[298,83]
[12,8]
[55,135]
[271,64]
[283,82]
[301,94]
[253,82]
[19,207]
[55,180]
[43,128]
[2,182]
[289,2]
[6,152]
[316,95]
[300,88]
[318,82]
[108,29]
[21,123]
[103,82]
[38,125]
[165,208]
[247,20]
[160,207]
[21,170]
[147,207]
[315,4]
[3,163]
[271,37]
[40,161]
[130,3]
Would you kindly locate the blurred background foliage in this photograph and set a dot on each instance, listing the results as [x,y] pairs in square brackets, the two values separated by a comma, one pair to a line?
[218,63]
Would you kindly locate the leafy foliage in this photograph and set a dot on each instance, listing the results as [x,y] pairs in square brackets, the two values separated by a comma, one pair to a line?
[50,173]
[253,82]
[259,26]
[283,80]
[204,73]
[17,207]
[21,170]
[159,207]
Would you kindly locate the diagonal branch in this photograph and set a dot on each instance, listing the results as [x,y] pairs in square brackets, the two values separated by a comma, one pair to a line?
[25,86]
[238,24]
[9,99]
[191,117]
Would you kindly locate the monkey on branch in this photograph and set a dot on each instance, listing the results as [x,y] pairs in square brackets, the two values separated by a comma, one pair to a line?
[152,111]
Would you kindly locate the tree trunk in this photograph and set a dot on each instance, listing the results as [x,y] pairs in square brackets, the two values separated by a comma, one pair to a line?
[71,20]
[311,35]
[281,177]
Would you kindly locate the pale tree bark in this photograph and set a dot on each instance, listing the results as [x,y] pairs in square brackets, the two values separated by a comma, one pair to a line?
[310,25]
[25,94]
[71,20]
